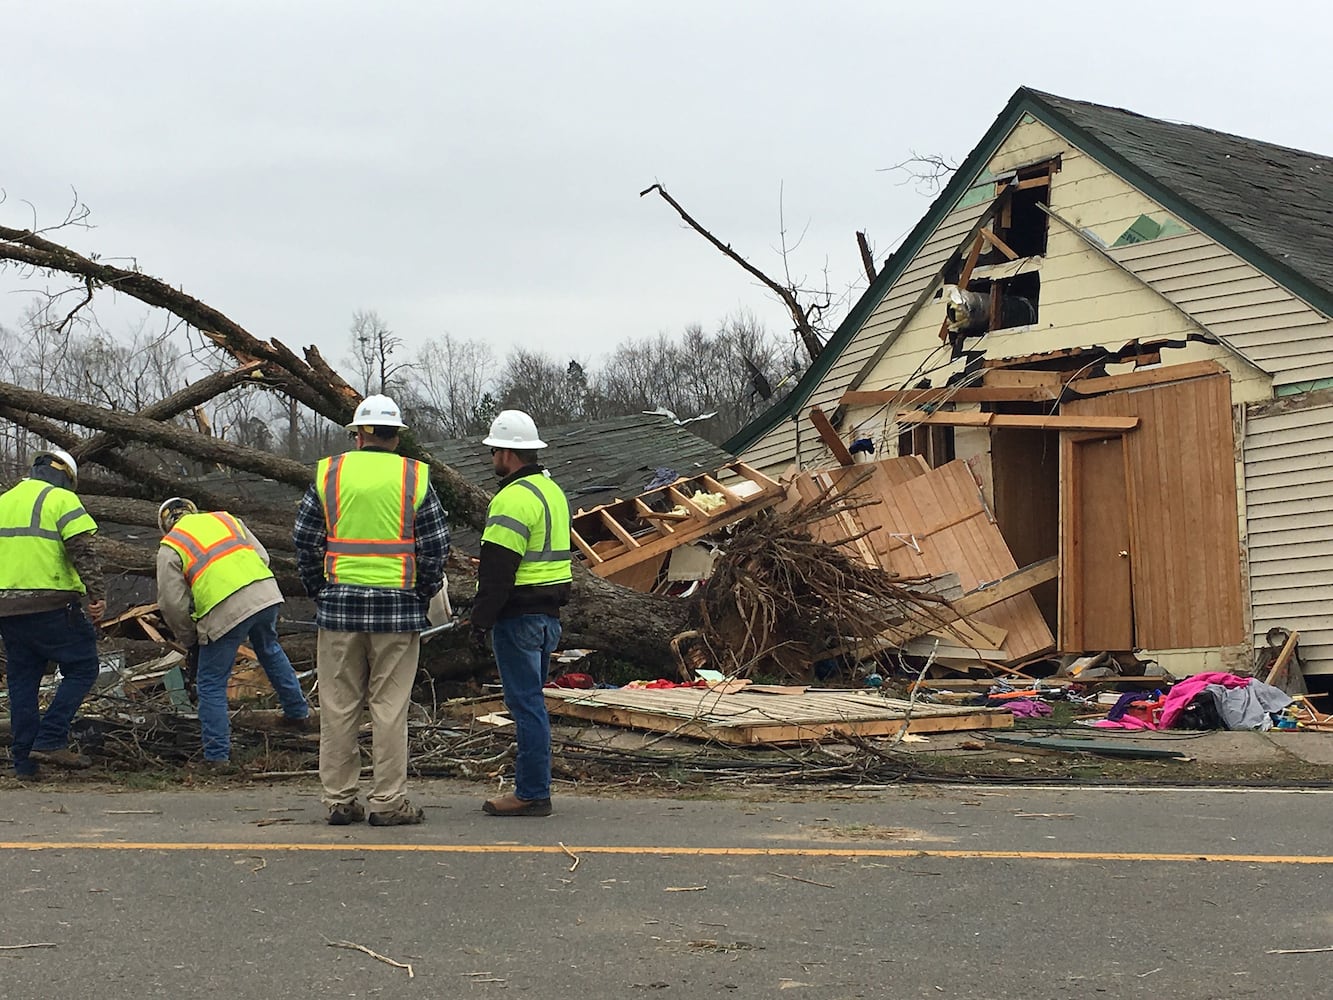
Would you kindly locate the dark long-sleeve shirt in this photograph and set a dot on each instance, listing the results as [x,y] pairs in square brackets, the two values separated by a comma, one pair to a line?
[497,595]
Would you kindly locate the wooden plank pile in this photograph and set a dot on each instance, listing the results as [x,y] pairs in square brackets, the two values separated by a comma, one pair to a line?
[748,718]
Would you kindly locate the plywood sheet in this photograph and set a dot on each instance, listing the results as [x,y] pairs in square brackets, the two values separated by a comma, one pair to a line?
[934,521]
[748,719]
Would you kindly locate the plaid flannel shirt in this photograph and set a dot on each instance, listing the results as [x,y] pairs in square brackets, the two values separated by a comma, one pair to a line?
[349,608]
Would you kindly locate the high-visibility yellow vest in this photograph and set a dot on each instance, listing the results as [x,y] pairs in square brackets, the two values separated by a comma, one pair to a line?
[217,556]
[370,503]
[35,520]
[531,516]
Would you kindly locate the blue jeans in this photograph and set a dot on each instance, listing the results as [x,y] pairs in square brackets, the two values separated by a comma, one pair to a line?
[216,659]
[66,636]
[523,647]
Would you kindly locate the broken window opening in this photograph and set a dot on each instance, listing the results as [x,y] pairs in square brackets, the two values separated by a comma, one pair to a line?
[1019,222]
[934,444]
[987,305]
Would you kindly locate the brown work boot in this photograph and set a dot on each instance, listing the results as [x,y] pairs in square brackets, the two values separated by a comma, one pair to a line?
[66,758]
[346,813]
[305,724]
[404,814]
[512,805]
[220,768]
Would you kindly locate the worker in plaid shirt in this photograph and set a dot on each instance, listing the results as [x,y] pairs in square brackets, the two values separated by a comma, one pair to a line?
[371,541]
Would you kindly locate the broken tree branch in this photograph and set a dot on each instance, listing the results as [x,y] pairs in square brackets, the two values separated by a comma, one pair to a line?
[319,389]
[800,316]
[867,258]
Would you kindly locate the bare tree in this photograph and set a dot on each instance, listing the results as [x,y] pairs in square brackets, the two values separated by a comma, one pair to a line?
[446,385]
[551,391]
[731,373]
[373,348]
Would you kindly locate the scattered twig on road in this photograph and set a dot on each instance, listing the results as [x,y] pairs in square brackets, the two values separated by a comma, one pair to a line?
[685,888]
[271,820]
[807,881]
[353,946]
[263,863]
[20,947]
[132,812]
[570,854]
[1296,951]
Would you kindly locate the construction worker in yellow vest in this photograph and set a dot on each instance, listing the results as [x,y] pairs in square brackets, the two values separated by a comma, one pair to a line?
[371,541]
[47,567]
[522,582]
[216,591]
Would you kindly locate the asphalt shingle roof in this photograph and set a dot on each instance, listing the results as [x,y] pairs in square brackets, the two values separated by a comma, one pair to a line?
[598,460]
[1278,199]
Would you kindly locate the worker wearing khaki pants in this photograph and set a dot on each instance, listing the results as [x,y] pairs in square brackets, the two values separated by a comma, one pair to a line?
[371,541]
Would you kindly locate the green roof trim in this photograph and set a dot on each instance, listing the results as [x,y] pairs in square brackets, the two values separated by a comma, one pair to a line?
[1199,165]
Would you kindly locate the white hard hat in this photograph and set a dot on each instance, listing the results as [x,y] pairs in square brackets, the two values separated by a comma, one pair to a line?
[62,460]
[377,411]
[172,510]
[515,430]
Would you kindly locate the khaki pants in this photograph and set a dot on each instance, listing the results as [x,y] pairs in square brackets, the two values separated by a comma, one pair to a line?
[355,668]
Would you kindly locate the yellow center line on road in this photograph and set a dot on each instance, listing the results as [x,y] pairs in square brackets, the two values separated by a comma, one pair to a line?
[695,852]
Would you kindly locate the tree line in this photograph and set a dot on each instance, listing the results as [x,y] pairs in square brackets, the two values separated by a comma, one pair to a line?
[448,387]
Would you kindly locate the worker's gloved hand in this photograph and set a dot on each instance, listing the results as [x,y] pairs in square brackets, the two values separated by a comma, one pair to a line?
[479,641]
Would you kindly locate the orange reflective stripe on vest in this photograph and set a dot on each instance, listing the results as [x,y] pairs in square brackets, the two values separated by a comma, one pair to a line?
[375,544]
[217,558]
[199,556]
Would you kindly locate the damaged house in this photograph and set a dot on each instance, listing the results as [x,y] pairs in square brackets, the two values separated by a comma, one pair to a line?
[1121,326]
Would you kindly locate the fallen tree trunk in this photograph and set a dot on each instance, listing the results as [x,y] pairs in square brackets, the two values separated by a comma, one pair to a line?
[141,481]
[123,510]
[636,626]
[141,560]
[191,443]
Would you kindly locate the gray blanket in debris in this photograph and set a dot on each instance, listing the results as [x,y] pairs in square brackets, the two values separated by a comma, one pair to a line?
[1248,707]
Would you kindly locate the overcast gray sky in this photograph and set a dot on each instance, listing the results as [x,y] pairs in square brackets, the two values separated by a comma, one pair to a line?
[475,167]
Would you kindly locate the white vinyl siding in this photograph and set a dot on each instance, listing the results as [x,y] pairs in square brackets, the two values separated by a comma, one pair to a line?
[1289,517]
[1273,328]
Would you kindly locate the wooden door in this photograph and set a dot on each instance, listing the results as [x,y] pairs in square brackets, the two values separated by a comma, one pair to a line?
[1096,582]
[1184,529]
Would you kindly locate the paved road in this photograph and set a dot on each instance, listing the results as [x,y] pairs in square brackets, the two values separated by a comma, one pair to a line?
[965,893]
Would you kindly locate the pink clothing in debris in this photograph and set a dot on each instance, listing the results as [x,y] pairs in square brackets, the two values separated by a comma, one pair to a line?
[1124,722]
[1184,691]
